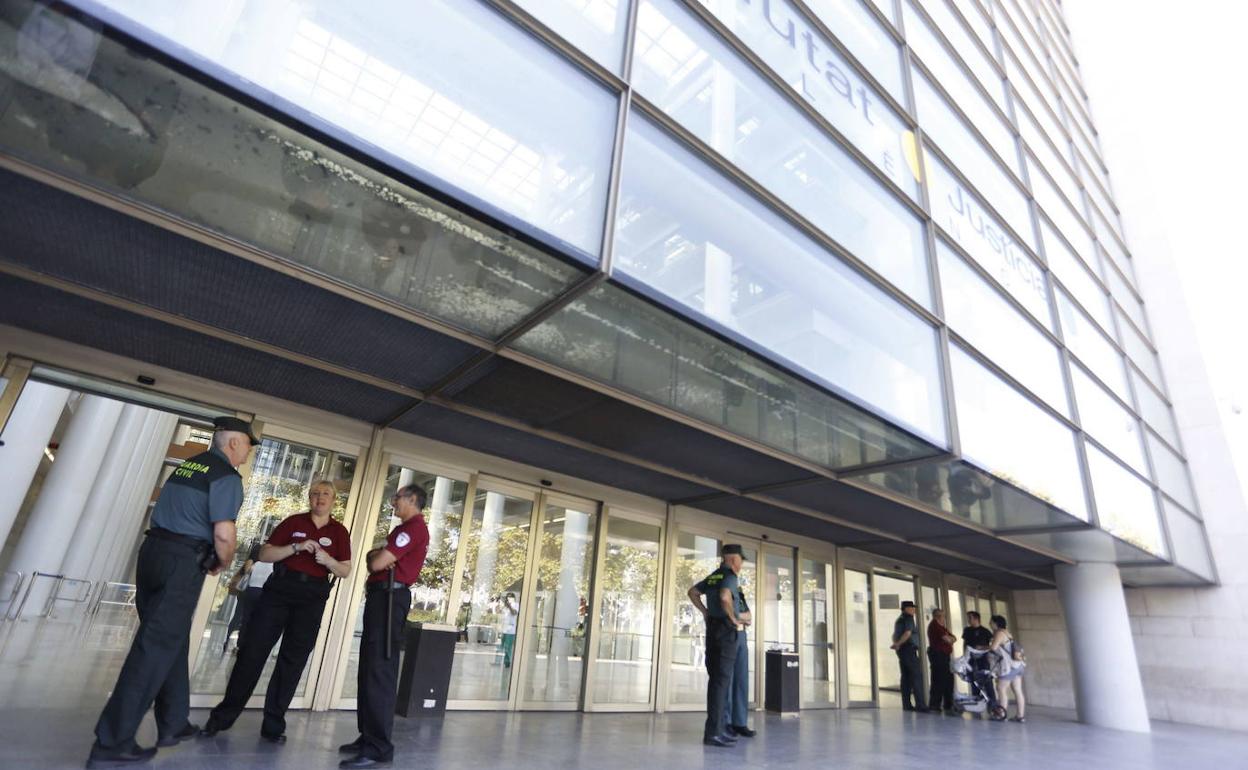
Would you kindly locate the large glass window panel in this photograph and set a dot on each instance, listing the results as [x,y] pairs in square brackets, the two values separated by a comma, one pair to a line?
[1107,421]
[1154,409]
[1122,292]
[953,136]
[1026,93]
[1171,473]
[597,27]
[1092,156]
[1075,275]
[961,214]
[202,156]
[1030,67]
[681,65]
[960,88]
[555,649]
[696,557]
[991,418]
[431,594]
[448,86]
[491,597]
[980,315]
[1138,350]
[1099,197]
[864,37]
[817,661]
[689,233]
[980,65]
[619,339]
[1060,212]
[1112,246]
[778,602]
[282,474]
[628,612]
[974,15]
[1049,160]
[1125,504]
[1188,542]
[1092,347]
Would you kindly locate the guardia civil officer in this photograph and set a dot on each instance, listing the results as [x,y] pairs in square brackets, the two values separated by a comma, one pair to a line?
[387,598]
[305,549]
[723,625]
[192,535]
[738,706]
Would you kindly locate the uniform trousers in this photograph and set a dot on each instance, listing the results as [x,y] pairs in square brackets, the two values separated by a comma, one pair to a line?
[739,693]
[911,676]
[168,580]
[378,678]
[941,694]
[290,610]
[721,659]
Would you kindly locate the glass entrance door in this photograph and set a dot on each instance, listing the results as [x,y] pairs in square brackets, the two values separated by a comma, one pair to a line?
[818,633]
[282,470]
[553,664]
[492,596]
[859,635]
[890,591]
[696,556]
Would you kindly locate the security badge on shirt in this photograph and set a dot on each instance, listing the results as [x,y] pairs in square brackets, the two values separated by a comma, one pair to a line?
[324,542]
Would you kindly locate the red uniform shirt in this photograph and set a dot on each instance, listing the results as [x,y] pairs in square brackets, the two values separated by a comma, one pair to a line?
[409,542]
[333,537]
[936,634]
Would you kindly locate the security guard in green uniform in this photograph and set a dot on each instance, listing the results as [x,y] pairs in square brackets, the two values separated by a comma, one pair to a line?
[192,535]
[723,592]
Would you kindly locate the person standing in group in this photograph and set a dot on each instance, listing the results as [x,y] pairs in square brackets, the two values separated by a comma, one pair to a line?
[976,637]
[723,590]
[192,535]
[906,644]
[387,598]
[1010,679]
[939,651]
[305,549]
[738,706]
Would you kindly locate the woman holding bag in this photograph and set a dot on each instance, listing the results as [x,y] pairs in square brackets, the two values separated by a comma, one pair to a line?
[1009,668]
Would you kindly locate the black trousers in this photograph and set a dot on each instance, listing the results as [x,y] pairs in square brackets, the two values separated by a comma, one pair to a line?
[911,676]
[941,694]
[167,581]
[721,660]
[378,678]
[290,610]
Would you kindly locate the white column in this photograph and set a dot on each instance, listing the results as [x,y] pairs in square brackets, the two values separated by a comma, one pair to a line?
[567,602]
[130,523]
[439,504]
[121,498]
[487,551]
[99,519]
[1108,688]
[25,437]
[53,521]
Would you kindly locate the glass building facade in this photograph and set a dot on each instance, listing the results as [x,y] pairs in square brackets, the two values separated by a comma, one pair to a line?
[876,239]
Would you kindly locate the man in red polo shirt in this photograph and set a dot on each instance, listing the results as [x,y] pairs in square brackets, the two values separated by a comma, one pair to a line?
[305,550]
[386,598]
[939,650]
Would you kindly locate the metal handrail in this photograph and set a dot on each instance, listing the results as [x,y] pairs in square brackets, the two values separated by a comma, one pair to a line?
[34,578]
[85,595]
[21,577]
[104,586]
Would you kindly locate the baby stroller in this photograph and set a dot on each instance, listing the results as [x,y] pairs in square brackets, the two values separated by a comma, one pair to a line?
[975,668]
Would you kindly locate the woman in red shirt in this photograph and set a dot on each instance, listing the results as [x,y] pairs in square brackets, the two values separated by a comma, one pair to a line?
[305,550]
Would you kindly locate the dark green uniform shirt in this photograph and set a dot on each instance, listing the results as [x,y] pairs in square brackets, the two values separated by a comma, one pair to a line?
[201,491]
[711,585]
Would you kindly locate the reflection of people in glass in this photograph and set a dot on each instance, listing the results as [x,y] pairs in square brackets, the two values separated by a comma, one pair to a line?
[510,616]
[245,585]
[966,488]
[927,483]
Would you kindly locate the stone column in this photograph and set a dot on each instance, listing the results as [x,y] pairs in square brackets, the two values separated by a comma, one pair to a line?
[99,518]
[53,521]
[1108,688]
[25,437]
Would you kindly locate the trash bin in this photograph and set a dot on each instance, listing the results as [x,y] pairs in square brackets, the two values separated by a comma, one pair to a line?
[783,683]
[425,675]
